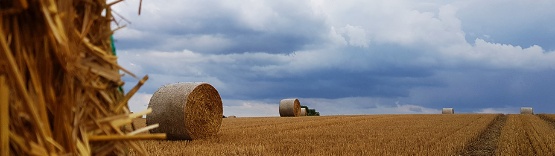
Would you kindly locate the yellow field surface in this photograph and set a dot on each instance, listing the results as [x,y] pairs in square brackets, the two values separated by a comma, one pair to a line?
[550,117]
[336,135]
[527,135]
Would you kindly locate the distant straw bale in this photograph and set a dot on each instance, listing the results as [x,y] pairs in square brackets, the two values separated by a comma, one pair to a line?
[526,110]
[303,111]
[447,111]
[186,111]
[289,108]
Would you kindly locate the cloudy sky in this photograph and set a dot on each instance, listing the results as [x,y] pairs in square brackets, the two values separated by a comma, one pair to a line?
[346,57]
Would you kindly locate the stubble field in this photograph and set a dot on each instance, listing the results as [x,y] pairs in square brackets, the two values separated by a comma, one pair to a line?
[450,134]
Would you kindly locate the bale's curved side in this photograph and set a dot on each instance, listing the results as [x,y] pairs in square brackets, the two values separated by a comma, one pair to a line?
[303,111]
[526,110]
[447,111]
[186,111]
[289,108]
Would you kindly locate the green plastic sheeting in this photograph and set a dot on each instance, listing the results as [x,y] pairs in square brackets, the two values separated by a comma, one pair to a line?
[115,54]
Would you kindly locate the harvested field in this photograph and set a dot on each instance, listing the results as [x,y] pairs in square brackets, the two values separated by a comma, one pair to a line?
[526,135]
[550,118]
[336,135]
[486,142]
[436,134]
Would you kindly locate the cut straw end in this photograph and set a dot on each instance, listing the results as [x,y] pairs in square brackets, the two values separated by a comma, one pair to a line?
[4,117]
[144,129]
[141,113]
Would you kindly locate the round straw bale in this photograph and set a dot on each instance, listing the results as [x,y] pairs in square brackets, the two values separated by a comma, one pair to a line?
[447,111]
[233,116]
[303,111]
[289,108]
[526,110]
[186,111]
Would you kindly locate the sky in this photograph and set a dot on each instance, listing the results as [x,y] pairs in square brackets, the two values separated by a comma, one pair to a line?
[345,57]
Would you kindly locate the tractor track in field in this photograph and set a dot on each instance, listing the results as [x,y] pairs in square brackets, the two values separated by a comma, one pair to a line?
[486,142]
[547,119]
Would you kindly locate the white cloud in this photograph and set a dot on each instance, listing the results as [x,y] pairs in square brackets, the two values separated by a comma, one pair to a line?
[250,108]
[129,33]
[504,56]
[139,102]
[363,105]
[205,43]
[342,106]
[257,15]
[336,37]
[503,110]
[355,35]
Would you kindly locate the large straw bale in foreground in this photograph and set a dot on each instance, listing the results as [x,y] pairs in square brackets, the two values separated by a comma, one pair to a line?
[526,110]
[447,111]
[289,108]
[61,80]
[186,111]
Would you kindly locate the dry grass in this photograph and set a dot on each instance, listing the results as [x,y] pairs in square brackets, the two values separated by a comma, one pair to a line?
[486,142]
[4,117]
[186,110]
[526,135]
[334,135]
[549,117]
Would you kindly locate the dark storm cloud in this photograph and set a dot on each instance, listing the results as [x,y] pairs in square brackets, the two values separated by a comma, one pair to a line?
[377,73]
[335,84]
[238,41]
[284,30]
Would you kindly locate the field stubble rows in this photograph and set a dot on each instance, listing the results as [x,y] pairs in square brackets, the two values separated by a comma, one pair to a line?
[353,135]
[527,135]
